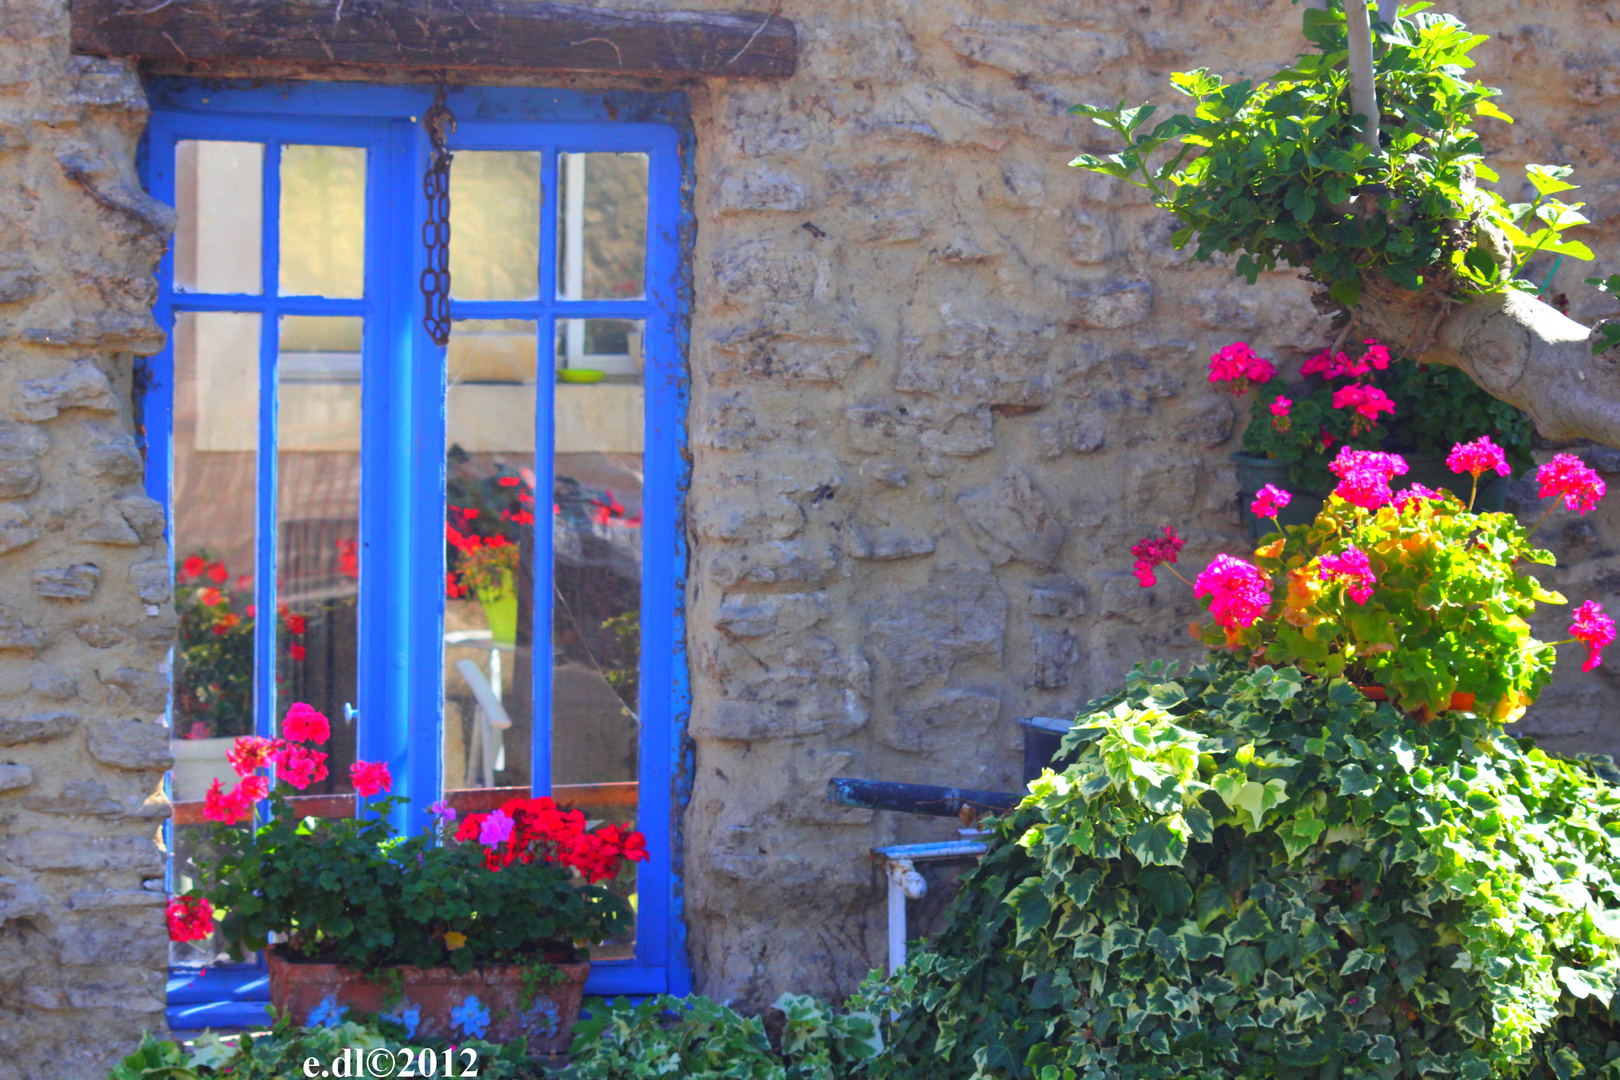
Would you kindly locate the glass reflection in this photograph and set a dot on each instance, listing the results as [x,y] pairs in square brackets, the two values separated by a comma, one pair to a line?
[219,204]
[323,221]
[318,526]
[216,424]
[602,226]
[596,574]
[495,225]
[489,532]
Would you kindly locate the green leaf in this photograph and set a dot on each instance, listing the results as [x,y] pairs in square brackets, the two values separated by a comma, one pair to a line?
[1253,797]
[1157,844]
[1299,833]
[1549,179]
[1354,780]
[1031,907]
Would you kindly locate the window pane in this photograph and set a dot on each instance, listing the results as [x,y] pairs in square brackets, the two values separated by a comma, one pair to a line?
[318,526]
[489,531]
[495,225]
[323,221]
[219,200]
[602,226]
[596,610]
[216,428]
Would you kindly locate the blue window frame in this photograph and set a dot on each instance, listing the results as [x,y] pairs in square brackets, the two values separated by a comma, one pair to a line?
[401,573]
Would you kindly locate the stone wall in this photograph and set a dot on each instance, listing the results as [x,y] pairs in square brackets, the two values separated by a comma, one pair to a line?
[940,383]
[85,617]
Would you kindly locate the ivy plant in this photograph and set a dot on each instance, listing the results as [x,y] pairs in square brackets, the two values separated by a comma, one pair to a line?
[1274,172]
[1253,873]
[698,1039]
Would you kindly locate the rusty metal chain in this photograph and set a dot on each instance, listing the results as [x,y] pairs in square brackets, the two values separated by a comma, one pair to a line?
[439,121]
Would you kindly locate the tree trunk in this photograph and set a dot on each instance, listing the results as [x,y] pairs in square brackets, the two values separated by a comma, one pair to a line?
[1519,349]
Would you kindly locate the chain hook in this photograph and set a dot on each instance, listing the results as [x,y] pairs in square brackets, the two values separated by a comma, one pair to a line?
[439,122]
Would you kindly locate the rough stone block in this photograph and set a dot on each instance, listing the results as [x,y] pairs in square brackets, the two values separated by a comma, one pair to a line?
[1054,654]
[129,936]
[1034,50]
[151,581]
[15,777]
[1014,519]
[952,428]
[16,635]
[54,849]
[1057,598]
[146,689]
[883,544]
[110,453]
[755,615]
[98,636]
[130,744]
[77,582]
[1072,430]
[1113,307]
[18,900]
[761,191]
[79,798]
[21,446]
[48,683]
[82,386]
[19,280]
[791,562]
[767,350]
[982,361]
[38,728]
[955,718]
[15,528]
[958,618]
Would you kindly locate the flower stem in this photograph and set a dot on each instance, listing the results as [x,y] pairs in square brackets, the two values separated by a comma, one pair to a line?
[1179,578]
[1543,520]
[1472,495]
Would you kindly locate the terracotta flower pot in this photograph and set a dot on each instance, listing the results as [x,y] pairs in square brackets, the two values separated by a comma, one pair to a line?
[487,1003]
[1459,700]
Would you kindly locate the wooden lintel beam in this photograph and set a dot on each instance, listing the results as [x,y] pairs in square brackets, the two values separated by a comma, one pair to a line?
[495,35]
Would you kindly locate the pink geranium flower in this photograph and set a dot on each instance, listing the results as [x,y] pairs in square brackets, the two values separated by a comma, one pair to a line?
[248,753]
[1478,457]
[1238,591]
[1238,365]
[236,805]
[305,724]
[1593,629]
[299,765]
[1269,501]
[1352,568]
[370,777]
[1364,476]
[1367,401]
[1151,551]
[1279,413]
[190,918]
[1569,476]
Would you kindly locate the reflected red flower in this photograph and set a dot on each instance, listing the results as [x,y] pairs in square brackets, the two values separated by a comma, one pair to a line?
[194,566]
[217,573]
[190,918]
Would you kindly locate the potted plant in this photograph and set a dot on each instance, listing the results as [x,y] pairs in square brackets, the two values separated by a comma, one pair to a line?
[1416,596]
[1361,399]
[477,929]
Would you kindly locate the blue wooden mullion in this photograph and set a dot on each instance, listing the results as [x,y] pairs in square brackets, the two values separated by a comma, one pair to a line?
[545,465]
[265,720]
[424,531]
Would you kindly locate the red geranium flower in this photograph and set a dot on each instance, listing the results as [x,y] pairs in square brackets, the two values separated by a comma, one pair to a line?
[190,918]
[370,778]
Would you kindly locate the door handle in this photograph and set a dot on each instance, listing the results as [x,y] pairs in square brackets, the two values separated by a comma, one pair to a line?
[350,713]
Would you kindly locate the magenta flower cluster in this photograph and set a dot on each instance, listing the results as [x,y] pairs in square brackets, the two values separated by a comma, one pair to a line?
[1150,551]
[1238,591]
[1364,476]
[1477,458]
[1569,476]
[1352,568]
[1238,365]
[1269,501]
[1593,629]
